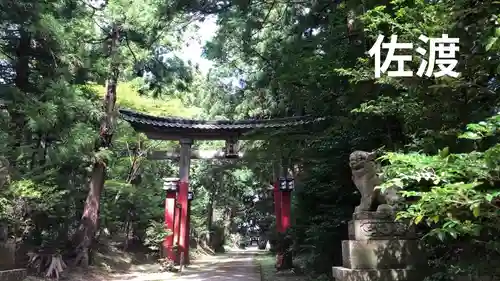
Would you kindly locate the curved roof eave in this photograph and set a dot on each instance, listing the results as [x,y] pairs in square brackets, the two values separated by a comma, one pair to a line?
[145,122]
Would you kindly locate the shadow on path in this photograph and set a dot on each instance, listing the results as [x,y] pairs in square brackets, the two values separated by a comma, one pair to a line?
[230,266]
[233,265]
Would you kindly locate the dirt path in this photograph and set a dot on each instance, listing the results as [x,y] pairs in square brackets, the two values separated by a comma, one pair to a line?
[233,265]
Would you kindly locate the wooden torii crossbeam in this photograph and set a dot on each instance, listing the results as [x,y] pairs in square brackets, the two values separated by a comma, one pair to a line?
[195,154]
[186,131]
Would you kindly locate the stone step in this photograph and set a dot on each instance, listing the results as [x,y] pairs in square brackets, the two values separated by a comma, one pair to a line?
[403,274]
[382,254]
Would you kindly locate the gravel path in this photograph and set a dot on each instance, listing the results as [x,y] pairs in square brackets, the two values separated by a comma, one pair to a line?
[235,265]
[232,266]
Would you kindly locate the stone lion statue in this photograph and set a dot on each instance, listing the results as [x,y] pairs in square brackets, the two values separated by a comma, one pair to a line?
[364,174]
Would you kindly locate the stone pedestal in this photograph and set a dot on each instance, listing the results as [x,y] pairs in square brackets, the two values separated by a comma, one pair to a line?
[8,262]
[7,254]
[13,275]
[380,249]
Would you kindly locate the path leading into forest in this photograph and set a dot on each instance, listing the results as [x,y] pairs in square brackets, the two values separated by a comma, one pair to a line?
[231,266]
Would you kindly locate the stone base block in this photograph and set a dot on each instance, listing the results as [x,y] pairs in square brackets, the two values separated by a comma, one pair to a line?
[7,254]
[366,215]
[477,278]
[373,229]
[350,230]
[346,274]
[13,275]
[382,254]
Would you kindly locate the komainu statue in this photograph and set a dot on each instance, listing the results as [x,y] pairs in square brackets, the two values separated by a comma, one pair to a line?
[364,174]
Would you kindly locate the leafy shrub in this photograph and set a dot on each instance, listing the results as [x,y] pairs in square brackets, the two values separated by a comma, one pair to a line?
[155,235]
[457,199]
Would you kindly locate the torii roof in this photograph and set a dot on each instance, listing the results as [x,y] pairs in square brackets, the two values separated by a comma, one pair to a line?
[170,128]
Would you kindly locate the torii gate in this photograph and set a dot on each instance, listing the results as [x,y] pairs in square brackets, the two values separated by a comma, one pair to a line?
[186,131]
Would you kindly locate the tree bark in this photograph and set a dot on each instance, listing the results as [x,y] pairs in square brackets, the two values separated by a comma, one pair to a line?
[210,215]
[354,25]
[210,212]
[21,81]
[90,218]
[226,222]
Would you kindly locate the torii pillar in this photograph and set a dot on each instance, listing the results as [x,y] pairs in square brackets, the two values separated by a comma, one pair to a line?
[277,204]
[286,198]
[170,202]
[184,165]
[282,205]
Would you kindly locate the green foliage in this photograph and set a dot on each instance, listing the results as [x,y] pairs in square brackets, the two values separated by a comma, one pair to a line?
[455,195]
[272,59]
[489,127]
[304,58]
[461,188]
[130,97]
[155,235]
[54,68]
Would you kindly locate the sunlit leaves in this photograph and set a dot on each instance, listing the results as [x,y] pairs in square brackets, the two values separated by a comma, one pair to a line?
[453,209]
[129,97]
[456,194]
[477,131]
[155,235]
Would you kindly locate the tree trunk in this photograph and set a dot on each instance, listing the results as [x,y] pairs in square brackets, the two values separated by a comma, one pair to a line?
[232,215]
[226,223]
[90,218]
[284,256]
[210,215]
[18,120]
[354,25]
[128,228]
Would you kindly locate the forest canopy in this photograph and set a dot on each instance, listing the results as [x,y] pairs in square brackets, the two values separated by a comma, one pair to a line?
[73,174]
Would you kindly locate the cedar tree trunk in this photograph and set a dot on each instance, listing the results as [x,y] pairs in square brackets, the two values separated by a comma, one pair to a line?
[90,218]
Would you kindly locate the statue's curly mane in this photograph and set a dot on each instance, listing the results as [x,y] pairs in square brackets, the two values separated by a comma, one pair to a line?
[364,175]
[361,159]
